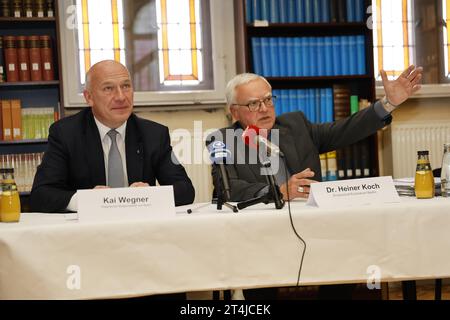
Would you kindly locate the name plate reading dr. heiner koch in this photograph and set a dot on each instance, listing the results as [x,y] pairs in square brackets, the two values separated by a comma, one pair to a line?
[125,203]
[346,193]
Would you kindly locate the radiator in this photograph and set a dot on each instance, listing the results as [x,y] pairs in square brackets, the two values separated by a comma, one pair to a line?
[408,138]
[189,148]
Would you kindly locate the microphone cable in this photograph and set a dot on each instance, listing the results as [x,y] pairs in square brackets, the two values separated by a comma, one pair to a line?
[292,222]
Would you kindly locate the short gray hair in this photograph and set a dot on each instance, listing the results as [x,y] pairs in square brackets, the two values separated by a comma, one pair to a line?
[238,80]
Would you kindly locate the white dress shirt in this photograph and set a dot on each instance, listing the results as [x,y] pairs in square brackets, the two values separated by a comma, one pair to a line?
[106,145]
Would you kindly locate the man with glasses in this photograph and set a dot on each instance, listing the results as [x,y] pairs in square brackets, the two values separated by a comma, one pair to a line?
[249,97]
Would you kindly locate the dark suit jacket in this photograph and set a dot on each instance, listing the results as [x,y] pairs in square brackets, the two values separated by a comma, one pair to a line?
[300,140]
[74,160]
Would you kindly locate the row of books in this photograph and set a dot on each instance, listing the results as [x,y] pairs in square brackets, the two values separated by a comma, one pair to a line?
[17,123]
[24,165]
[26,58]
[27,8]
[316,104]
[309,56]
[351,163]
[305,11]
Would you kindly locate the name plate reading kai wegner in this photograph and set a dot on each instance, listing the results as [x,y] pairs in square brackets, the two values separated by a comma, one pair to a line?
[125,203]
[356,192]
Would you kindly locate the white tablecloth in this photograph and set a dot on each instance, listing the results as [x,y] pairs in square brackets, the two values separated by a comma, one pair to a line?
[219,250]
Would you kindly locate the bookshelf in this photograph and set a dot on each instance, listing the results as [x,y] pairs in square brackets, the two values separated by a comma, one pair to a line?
[338,47]
[40,97]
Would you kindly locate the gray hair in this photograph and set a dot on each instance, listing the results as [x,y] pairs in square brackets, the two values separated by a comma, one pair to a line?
[238,80]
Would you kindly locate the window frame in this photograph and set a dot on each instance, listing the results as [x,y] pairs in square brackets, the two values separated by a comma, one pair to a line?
[224,64]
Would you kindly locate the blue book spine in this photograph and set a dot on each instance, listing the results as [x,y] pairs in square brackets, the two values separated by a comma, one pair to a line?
[300,8]
[293,102]
[361,54]
[350,10]
[292,11]
[345,55]
[313,56]
[274,13]
[290,63]
[328,56]
[317,11]
[302,101]
[325,7]
[274,61]
[265,10]
[318,105]
[257,58]
[305,57]
[298,67]
[359,10]
[276,93]
[256,10]
[320,44]
[248,11]
[311,102]
[265,57]
[336,45]
[282,56]
[285,101]
[353,52]
[329,103]
[282,8]
[308,11]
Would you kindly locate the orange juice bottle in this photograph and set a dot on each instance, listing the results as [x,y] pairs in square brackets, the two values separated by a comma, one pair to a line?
[424,181]
[9,200]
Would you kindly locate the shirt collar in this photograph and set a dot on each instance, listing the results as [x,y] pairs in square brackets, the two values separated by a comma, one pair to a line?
[103,130]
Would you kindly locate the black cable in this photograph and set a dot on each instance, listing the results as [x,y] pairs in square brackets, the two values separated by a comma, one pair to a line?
[292,222]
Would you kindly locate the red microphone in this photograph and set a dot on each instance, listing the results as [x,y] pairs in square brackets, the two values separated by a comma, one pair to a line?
[256,138]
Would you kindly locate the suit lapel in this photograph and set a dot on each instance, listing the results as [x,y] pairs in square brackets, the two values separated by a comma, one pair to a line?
[94,151]
[134,152]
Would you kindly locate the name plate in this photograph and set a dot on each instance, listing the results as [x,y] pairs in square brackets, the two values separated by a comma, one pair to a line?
[125,203]
[357,192]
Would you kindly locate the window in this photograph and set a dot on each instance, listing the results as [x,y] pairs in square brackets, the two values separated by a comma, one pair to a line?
[412,32]
[166,44]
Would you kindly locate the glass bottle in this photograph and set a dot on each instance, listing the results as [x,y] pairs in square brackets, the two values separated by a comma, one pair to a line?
[424,181]
[445,171]
[10,200]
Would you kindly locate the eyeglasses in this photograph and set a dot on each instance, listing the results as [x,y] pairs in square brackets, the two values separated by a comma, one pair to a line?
[255,106]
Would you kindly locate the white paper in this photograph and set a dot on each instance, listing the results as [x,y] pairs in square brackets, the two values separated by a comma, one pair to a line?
[125,203]
[355,192]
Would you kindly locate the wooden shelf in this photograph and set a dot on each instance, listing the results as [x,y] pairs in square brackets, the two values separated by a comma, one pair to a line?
[17,142]
[29,83]
[34,19]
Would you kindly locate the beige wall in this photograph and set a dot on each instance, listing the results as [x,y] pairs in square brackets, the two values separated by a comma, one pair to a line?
[423,109]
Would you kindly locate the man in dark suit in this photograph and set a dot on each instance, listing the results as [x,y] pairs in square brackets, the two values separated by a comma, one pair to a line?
[104,146]
[250,100]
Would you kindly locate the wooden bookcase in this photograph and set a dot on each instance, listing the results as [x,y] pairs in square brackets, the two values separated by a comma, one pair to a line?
[362,85]
[33,94]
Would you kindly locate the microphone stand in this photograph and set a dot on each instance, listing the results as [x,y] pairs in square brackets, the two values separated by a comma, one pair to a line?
[274,194]
[222,199]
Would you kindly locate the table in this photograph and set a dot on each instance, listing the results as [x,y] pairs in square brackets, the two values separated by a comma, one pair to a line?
[52,256]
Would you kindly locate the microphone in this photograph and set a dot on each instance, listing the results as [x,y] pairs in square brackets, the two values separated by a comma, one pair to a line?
[218,154]
[254,138]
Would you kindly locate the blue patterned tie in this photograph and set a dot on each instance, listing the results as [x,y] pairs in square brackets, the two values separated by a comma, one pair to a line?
[115,166]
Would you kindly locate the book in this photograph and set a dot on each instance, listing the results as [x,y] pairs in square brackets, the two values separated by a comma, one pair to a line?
[2,62]
[6,120]
[16,119]
[48,73]
[11,61]
[23,59]
[35,58]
